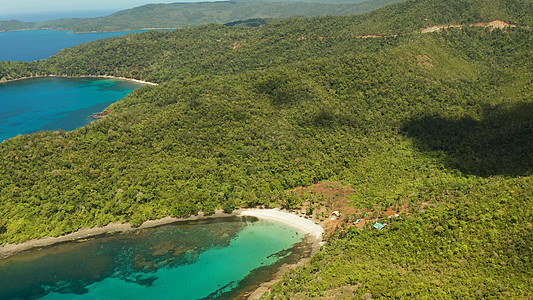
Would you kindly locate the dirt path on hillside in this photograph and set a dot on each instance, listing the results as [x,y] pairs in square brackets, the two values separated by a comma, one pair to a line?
[496,24]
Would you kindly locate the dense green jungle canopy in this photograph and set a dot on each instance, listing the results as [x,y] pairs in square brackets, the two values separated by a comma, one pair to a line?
[442,120]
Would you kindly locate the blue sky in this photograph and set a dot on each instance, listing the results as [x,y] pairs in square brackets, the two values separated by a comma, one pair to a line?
[13,8]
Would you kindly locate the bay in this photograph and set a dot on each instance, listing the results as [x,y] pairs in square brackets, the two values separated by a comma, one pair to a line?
[216,258]
[31,45]
[31,105]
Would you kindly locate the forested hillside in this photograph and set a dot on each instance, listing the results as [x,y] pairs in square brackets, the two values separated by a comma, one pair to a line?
[440,124]
[178,15]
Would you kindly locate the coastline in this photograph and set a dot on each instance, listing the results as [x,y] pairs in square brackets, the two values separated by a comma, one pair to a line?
[124,78]
[309,227]
[313,231]
[127,31]
[112,228]
[82,76]
[81,32]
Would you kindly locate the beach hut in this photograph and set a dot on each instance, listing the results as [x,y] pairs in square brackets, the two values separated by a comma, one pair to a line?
[379,226]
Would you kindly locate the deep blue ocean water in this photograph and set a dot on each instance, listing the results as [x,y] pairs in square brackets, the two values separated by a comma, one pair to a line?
[56,103]
[218,258]
[30,45]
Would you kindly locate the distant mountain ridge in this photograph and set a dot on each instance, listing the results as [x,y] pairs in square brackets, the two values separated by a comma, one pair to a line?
[178,15]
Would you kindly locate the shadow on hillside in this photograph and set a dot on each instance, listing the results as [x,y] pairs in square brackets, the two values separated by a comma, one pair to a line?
[501,143]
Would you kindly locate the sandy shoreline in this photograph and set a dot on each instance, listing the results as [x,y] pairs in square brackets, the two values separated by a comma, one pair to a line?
[81,76]
[307,226]
[123,78]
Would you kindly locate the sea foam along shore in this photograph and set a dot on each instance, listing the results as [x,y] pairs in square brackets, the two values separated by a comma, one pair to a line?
[309,227]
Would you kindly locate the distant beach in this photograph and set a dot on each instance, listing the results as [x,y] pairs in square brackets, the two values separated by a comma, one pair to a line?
[123,78]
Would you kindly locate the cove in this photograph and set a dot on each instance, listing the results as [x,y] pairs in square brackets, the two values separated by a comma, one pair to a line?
[206,259]
[30,45]
[52,103]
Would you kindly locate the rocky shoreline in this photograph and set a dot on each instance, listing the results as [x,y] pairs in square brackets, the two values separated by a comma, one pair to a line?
[12,249]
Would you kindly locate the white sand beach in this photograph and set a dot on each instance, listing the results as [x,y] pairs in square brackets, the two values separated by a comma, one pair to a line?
[124,78]
[286,218]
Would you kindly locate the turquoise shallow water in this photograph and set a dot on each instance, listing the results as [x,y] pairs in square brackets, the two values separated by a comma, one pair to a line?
[30,45]
[56,103]
[199,260]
